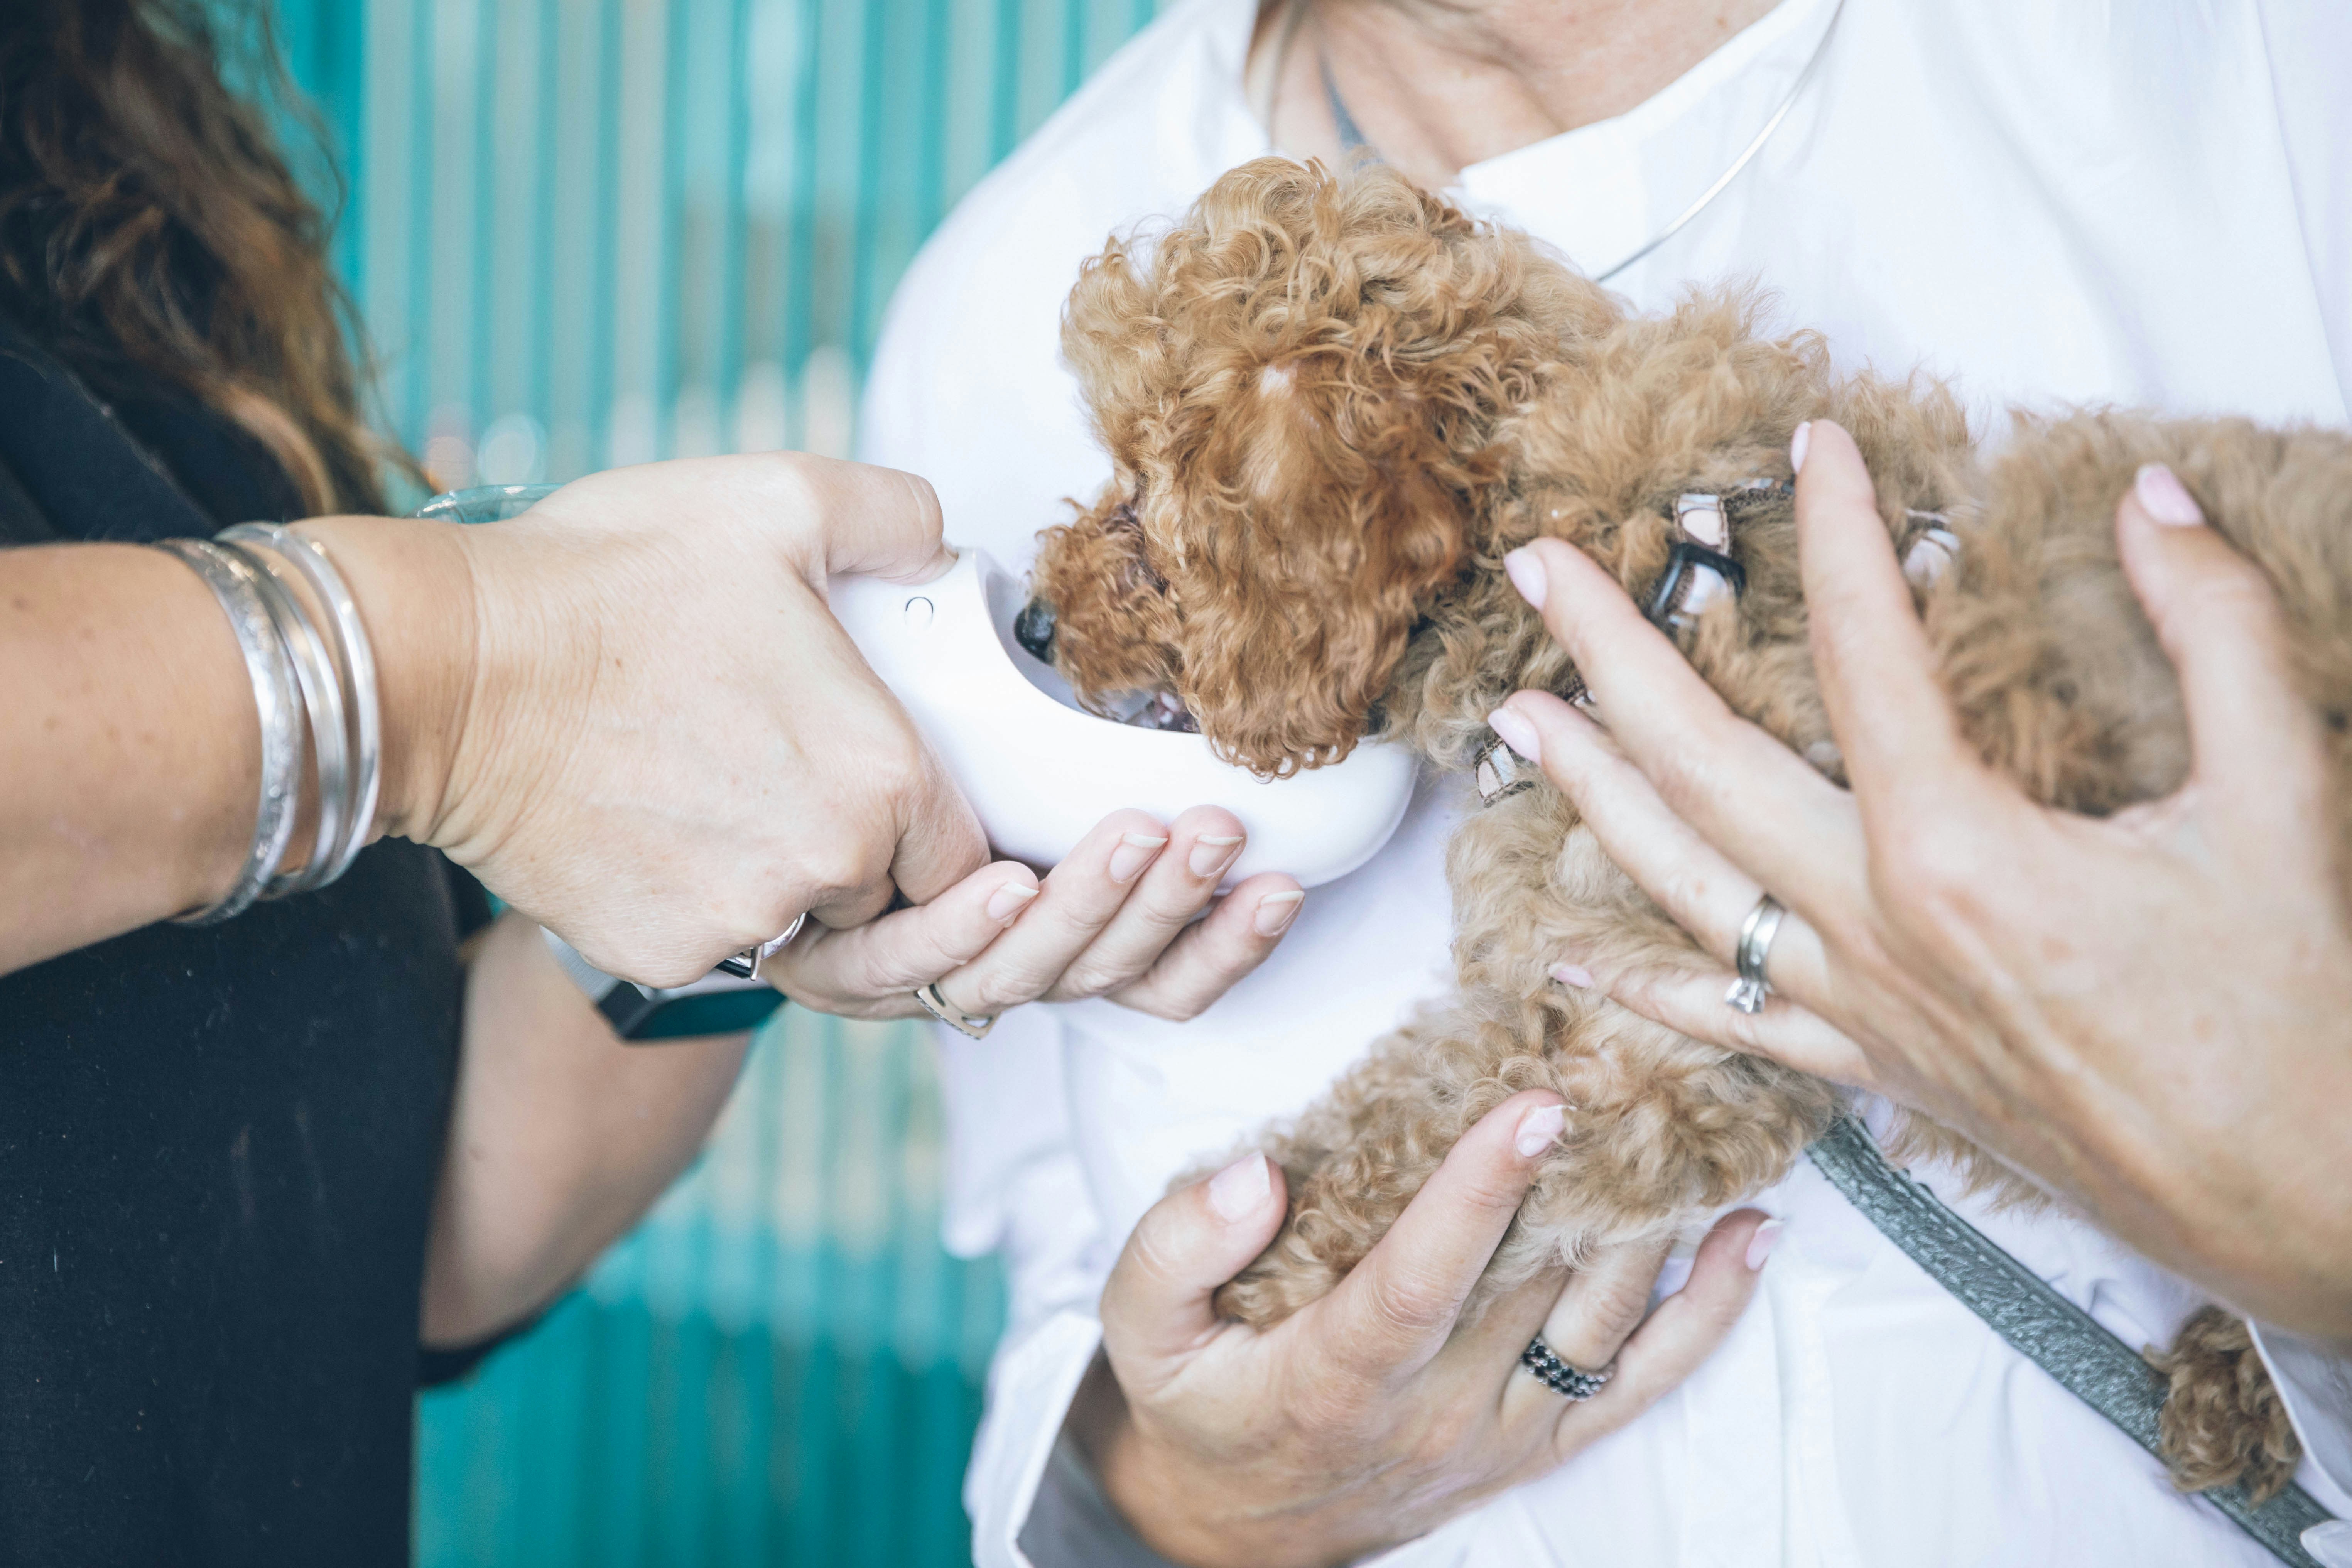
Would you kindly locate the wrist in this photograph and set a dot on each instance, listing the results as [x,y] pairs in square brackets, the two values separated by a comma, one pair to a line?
[1189,1513]
[413,587]
[1104,1428]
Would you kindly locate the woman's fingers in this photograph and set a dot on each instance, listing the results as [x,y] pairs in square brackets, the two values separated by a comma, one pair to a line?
[1759,804]
[1691,1003]
[2254,736]
[873,970]
[1602,1303]
[1174,890]
[1077,901]
[1684,1331]
[1692,881]
[1396,1309]
[942,842]
[1211,956]
[1878,676]
[1156,1308]
[874,522]
[1114,917]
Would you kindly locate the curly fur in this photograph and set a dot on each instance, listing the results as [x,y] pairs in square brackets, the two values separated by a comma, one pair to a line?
[2223,1421]
[1332,403]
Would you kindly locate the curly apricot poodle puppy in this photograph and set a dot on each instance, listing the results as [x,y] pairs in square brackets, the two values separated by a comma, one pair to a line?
[1332,403]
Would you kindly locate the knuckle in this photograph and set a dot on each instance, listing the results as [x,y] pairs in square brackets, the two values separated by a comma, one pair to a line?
[1177,1008]
[880,969]
[834,866]
[925,499]
[896,766]
[792,482]
[1090,977]
[1404,1302]
[1615,1303]
[998,989]
[2233,595]
[1925,865]
[1494,1188]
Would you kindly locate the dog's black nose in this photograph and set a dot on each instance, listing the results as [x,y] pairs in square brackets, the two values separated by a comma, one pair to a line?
[1034,629]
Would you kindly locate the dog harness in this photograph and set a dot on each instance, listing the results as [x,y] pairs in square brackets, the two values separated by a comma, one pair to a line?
[2041,1325]
[1700,569]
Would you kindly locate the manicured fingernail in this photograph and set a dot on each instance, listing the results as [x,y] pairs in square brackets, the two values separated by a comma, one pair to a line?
[1239,1190]
[1798,446]
[1276,910]
[2330,1543]
[1526,576]
[1210,855]
[1134,851]
[1517,733]
[1008,900]
[2164,497]
[1760,1245]
[1539,1129]
[1573,974]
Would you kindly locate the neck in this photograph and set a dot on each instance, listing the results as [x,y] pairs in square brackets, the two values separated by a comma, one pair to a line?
[1438,85]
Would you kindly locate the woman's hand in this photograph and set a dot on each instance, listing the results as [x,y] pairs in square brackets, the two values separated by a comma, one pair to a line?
[1114,919]
[2151,1011]
[630,714]
[1373,1415]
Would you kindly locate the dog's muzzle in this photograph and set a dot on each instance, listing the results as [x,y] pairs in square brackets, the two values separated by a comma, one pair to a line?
[1032,628]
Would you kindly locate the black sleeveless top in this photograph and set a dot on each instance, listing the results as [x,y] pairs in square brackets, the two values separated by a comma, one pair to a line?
[218,1146]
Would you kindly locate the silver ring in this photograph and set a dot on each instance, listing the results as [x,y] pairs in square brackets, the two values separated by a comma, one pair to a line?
[964,1023]
[1756,933]
[1570,1382]
[745,965]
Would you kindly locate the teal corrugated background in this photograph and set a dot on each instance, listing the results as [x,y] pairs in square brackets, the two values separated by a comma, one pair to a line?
[590,232]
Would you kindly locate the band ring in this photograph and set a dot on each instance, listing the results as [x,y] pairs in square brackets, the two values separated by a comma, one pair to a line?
[964,1023]
[745,965]
[1568,1382]
[1756,933]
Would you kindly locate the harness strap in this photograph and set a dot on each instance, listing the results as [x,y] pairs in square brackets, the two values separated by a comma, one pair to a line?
[2041,1325]
[1700,569]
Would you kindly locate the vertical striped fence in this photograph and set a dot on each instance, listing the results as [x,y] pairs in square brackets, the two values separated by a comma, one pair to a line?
[585,233]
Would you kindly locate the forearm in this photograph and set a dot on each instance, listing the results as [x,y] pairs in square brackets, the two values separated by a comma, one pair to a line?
[130,752]
[560,1139]
[129,746]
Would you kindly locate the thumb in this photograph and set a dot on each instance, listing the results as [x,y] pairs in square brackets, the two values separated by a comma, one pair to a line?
[1156,1308]
[2252,736]
[874,522]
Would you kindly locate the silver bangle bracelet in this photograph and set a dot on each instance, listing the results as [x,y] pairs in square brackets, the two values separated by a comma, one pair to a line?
[271,670]
[361,709]
[322,702]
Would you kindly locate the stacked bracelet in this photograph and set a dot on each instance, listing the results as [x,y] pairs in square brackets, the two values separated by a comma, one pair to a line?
[298,673]
[357,721]
[235,585]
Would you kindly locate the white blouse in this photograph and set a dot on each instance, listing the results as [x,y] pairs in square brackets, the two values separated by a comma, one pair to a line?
[2052,200]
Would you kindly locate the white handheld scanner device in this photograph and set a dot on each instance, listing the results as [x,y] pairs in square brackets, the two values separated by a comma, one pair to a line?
[1041,771]
[1038,769]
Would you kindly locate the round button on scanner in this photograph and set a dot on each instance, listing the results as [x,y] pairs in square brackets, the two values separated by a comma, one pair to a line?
[919,611]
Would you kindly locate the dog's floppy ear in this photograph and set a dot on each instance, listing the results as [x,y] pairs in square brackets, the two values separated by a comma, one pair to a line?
[1299,592]
[1301,386]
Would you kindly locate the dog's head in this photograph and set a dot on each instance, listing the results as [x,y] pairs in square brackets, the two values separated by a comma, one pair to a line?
[1300,387]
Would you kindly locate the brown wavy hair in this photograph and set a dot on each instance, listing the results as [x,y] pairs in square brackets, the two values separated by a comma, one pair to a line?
[152,229]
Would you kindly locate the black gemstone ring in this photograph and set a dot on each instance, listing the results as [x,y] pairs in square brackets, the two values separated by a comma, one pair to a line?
[1559,1377]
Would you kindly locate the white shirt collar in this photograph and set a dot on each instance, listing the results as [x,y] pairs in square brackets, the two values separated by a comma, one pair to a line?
[1601,192]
